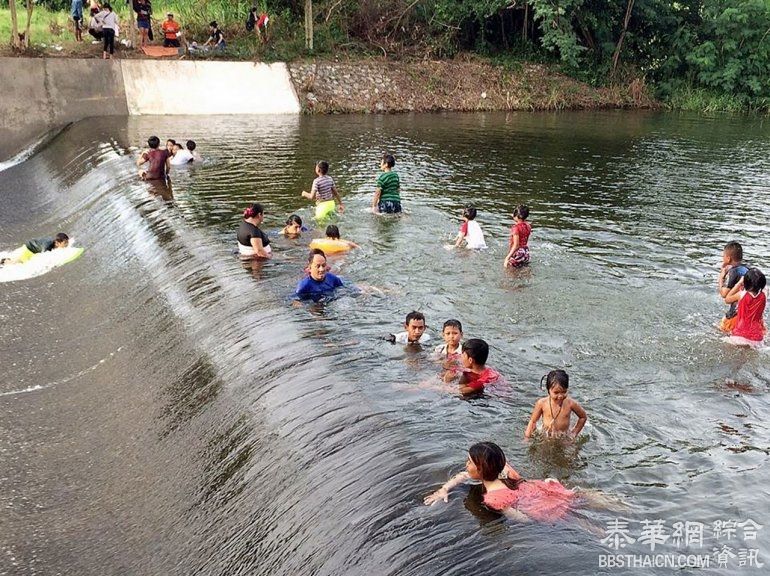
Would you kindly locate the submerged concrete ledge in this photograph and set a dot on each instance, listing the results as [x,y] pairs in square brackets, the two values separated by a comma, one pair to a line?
[41,94]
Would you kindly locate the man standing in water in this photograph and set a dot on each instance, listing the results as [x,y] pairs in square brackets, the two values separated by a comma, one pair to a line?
[158,158]
[387,196]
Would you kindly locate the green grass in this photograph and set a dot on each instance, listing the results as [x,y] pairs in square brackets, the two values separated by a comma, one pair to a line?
[691,99]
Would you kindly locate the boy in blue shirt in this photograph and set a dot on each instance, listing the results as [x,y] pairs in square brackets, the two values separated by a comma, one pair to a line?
[320,281]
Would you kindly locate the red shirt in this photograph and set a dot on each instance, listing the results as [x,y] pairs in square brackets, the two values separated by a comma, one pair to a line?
[157,159]
[523,229]
[749,324]
[478,381]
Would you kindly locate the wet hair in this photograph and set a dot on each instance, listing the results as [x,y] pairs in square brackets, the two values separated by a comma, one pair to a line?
[477,350]
[62,237]
[521,211]
[734,250]
[452,324]
[315,252]
[470,213]
[323,166]
[190,145]
[333,232]
[173,142]
[153,141]
[490,461]
[754,281]
[213,24]
[253,210]
[389,160]
[294,219]
[414,315]
[555,377]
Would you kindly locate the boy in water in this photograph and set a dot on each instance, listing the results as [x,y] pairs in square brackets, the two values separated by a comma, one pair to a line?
[733,269]
[387,196]
[157,157]
[320,281]
[476,375]
[36,246]
[450,351]
[414,330]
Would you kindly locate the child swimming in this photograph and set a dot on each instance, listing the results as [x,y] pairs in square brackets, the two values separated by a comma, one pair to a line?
[470,231]
[324,192]
[36,246]
[518,248]
[476,374]
[293,228]
[332,243]
[519,499]
[749,292]
[450,351]
[557,408]
[733,269]
[414,330]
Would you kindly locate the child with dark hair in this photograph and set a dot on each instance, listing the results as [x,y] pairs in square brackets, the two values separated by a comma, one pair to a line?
[518,247]
[36,246]
[252,241]
[293,228]
[733,269]
[414,330]
[476,375]
[333,243]
[470,231]
[749,292]
[319,281]
[191,146]
[158,158]
[450,351]
[387,196]
[216,38]
[324,192]
[557,408]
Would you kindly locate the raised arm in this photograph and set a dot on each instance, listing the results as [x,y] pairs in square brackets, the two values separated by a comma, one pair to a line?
[582,419]
[735,292]
[443,492]
[537,413]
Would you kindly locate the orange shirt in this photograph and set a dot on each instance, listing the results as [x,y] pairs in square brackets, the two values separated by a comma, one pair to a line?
[170,29]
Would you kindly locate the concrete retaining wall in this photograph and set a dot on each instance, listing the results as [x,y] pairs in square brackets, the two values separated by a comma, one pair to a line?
[40,94]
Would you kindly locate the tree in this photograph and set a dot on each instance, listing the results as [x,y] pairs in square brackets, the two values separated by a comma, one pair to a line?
[309,24]
[20,41]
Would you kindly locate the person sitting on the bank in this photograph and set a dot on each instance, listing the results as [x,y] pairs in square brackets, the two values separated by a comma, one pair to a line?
[181,155]
[216,38]
[171,32]
[157,157]
[36,246]
[387,196]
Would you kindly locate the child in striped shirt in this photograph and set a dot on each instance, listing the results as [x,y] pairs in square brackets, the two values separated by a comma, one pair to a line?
[324,192]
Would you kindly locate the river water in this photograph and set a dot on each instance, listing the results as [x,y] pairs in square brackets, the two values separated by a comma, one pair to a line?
[165,409]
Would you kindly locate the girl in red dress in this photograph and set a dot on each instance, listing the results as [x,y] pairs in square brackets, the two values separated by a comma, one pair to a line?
[749,292]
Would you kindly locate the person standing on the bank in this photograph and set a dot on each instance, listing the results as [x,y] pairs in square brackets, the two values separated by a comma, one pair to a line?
[143,11]
[171,32]
[387,196]
[76,12]
[109,21]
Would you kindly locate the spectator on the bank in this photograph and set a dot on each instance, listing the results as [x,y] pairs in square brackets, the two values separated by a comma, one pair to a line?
[109,22]
[258,23]
[76,12]
[95,28]
[171,32]
[216,39]
[94,7]
[143,11]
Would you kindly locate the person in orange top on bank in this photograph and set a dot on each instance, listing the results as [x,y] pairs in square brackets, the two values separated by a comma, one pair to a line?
[171,32]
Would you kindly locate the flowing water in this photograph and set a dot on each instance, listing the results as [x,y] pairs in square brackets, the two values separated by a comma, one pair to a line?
[165,409]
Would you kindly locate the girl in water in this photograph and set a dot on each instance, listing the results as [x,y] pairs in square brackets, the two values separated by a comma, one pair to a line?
[557,408]
[252,242]
[519,499]
[518,249]
[749,324]
[293,228]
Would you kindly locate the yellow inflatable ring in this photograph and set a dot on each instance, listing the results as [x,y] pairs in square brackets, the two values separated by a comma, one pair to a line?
[330,246]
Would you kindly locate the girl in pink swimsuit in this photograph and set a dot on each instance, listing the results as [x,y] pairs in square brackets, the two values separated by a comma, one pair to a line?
[540,500]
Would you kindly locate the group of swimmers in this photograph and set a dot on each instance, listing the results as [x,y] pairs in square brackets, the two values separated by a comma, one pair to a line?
[159,160]
[742,288]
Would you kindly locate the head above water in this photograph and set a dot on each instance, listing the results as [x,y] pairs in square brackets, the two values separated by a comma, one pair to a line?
[190,145]
[316,263]
[388,160]
[452,323]
[754,281]
[488,461]
[415,325]
[177,147]
[61,240]
[477,350]
[322,167]
[521,212]
[332,232]
[733,252]
[153,141]
[294,219]
[555,378]
[469,213]
[254,211]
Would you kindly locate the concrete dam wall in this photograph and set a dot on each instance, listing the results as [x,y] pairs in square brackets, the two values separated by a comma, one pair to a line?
[43,94]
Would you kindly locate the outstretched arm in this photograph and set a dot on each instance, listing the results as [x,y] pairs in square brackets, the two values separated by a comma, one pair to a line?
[443,492]
[582,419]
[308,195]
[537,413]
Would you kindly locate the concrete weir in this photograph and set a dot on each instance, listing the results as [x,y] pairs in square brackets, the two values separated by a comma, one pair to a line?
[41,94]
